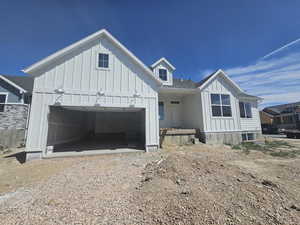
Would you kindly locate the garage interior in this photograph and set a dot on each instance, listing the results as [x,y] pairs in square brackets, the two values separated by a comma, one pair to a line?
[78,129]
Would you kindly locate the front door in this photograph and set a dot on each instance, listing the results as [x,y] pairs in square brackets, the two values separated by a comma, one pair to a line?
[175,114]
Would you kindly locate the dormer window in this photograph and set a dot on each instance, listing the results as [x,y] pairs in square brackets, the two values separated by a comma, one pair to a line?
[163,74]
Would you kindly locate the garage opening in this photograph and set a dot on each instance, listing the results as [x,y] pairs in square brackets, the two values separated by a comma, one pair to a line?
[78,129]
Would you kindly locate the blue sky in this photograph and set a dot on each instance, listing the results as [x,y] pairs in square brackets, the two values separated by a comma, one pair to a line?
[198,37]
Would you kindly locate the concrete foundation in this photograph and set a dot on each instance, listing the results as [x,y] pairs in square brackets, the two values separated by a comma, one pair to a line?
[33,155]
[177,137]
[231,138]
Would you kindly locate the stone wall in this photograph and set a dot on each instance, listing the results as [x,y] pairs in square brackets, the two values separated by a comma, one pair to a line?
[13,125]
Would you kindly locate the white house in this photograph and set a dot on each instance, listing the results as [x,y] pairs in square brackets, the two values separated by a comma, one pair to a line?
[95,96]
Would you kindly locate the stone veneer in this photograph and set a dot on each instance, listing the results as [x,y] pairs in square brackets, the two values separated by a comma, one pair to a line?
[13,124]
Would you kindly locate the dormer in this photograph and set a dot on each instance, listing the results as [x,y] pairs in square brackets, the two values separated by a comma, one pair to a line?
[164,71]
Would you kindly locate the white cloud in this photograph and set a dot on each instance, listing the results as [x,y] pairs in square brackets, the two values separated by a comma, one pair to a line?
[275,79]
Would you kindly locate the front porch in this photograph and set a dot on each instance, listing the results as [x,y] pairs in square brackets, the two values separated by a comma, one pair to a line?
[179,116]
[179,109]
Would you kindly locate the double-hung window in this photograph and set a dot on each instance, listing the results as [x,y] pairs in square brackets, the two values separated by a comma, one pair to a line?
[220,105]
[103,60]
[161,111]
[2,102]
[163,74]
[245,110]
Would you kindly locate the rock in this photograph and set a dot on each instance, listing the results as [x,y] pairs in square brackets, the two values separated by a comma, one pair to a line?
[295,207]
[268,183]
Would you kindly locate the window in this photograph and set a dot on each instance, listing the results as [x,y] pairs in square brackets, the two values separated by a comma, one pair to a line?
[162,74]
[103,60]
[161,111]
[247,137]
[2,102]
[287,119]
[245,110]
[175,102]
[220,105]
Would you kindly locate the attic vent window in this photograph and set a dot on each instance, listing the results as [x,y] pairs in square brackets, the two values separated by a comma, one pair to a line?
[103,60]
[163,74]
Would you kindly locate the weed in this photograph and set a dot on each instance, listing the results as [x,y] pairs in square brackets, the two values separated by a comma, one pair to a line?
[236,147]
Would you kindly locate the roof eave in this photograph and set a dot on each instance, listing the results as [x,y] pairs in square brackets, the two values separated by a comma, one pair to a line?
[13,84]
[38,65]
[166,61]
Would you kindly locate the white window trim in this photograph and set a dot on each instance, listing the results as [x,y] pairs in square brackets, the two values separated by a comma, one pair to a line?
[97,58]
[247,118]
[6,98]
[220,117]
[167,74]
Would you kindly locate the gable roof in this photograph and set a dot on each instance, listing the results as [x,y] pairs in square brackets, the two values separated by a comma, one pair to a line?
[163,59]
[220,72]
[22,83]
[51,58]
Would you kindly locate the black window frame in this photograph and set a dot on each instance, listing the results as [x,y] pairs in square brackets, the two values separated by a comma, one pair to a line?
[2,104]
[248,137]
[103,60]
[166,74]
[244,113]
[219,107]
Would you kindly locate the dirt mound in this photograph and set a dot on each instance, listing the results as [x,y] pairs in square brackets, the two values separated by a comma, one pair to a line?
[185,189]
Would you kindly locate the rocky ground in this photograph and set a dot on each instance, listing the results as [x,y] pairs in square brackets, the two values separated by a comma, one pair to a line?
[198,184]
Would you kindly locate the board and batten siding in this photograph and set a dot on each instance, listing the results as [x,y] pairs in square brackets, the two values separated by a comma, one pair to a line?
[220,124]
[124,84]
[227,124]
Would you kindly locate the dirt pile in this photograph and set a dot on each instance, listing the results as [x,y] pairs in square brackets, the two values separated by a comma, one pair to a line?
[185,189]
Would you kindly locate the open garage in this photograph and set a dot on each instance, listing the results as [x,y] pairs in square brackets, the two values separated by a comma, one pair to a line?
[81,129]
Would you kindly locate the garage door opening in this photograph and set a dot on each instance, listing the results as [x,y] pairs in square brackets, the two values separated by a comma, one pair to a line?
[81,129]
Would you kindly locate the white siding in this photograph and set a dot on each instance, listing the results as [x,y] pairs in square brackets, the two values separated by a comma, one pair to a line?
[251,124]
[78,75]
[224,124]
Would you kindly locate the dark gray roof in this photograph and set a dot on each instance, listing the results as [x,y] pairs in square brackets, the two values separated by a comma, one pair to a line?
[205,79]
[277,109]
[181,83]
[24,82]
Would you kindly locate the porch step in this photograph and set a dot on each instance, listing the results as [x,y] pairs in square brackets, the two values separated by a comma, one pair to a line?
[174,131]
[172,136]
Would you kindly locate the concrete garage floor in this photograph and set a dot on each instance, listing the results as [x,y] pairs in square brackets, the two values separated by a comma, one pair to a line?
[100,142]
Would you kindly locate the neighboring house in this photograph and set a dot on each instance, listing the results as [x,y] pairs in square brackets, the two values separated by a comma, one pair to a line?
[286,116]
[96,90]
[15,97]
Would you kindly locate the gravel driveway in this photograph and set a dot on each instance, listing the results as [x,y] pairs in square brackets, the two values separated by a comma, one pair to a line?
[96,190]
[198,184]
